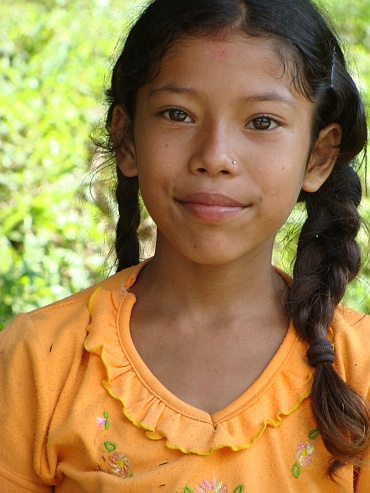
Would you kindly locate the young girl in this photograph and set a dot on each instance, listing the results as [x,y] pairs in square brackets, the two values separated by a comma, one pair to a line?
[205,369]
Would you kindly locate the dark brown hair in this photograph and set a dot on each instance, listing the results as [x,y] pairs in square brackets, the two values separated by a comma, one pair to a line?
[328,256]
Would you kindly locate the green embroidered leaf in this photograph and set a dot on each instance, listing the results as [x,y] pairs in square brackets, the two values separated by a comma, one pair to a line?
[239,489]
[110,446]
[313,434]
[296,470]
[106,424]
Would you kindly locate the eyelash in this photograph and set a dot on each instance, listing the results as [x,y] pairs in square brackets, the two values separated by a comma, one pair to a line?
[266,118]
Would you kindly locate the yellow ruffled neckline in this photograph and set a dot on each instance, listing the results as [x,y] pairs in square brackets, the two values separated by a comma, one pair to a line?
[278,392]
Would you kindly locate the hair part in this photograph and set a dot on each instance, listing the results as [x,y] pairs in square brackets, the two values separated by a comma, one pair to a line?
[328,257]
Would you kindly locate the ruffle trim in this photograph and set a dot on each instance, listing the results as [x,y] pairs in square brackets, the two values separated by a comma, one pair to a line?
[190,432]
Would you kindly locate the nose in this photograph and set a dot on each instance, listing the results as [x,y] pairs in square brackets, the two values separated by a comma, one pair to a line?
[213,151]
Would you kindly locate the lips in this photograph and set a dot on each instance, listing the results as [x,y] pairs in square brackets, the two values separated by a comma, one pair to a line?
[211,206]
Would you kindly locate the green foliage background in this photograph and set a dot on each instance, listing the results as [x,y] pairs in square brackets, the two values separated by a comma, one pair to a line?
[54,56]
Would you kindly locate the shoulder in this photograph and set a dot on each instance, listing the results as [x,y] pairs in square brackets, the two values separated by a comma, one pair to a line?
[351,331]
[63,322]
[351,328]
[76,301]
[45,348]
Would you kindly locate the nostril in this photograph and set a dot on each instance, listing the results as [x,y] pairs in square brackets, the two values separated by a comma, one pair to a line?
[225,172]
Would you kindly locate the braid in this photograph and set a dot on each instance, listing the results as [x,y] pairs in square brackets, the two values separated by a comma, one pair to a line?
[127,242]
[328,257]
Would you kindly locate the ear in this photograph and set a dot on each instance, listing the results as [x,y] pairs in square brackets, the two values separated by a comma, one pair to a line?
[323,157]
[123,141]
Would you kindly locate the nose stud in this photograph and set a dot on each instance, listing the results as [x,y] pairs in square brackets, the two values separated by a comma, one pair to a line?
[233,163]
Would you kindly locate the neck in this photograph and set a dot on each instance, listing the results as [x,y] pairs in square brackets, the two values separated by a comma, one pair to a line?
[248,283]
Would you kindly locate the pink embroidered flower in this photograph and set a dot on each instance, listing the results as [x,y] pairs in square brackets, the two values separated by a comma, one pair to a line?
[305,453]
[211,487]
[101,422]
[120,465]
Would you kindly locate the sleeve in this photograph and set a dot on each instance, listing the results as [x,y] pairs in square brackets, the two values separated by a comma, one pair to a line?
[363,481]
[362,476]
[352,349]
[24,408]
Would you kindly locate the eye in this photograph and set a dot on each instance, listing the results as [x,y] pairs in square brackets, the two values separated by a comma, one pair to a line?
[263,123]
[177,115]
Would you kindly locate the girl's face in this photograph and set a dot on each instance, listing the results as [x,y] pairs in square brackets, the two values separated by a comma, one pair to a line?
[221,145]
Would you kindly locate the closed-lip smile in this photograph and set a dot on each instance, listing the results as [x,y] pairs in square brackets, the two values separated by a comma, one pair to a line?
[210,206]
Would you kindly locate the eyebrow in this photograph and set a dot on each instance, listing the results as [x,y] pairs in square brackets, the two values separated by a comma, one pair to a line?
[171,88]
[269,96]
[265,96]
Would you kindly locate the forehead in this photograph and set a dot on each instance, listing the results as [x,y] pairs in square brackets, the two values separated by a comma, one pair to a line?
[233,60]
[222,46]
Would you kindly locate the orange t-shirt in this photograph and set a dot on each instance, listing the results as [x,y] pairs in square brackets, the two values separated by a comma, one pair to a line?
[80,412]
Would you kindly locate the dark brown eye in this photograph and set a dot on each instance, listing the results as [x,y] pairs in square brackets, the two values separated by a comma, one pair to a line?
[177,115]
[262,123]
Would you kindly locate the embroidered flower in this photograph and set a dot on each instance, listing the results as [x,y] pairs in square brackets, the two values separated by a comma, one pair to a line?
[305,453]
[120,465]
[102,423]
[211,487]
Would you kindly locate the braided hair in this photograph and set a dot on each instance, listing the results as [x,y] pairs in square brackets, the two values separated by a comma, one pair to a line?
[328,257]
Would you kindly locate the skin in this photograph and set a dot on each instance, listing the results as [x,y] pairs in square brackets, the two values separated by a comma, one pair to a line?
[209,302]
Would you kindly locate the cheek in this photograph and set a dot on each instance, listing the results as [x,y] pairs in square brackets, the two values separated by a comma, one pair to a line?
[280,190]
[282,177]
[153,150]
